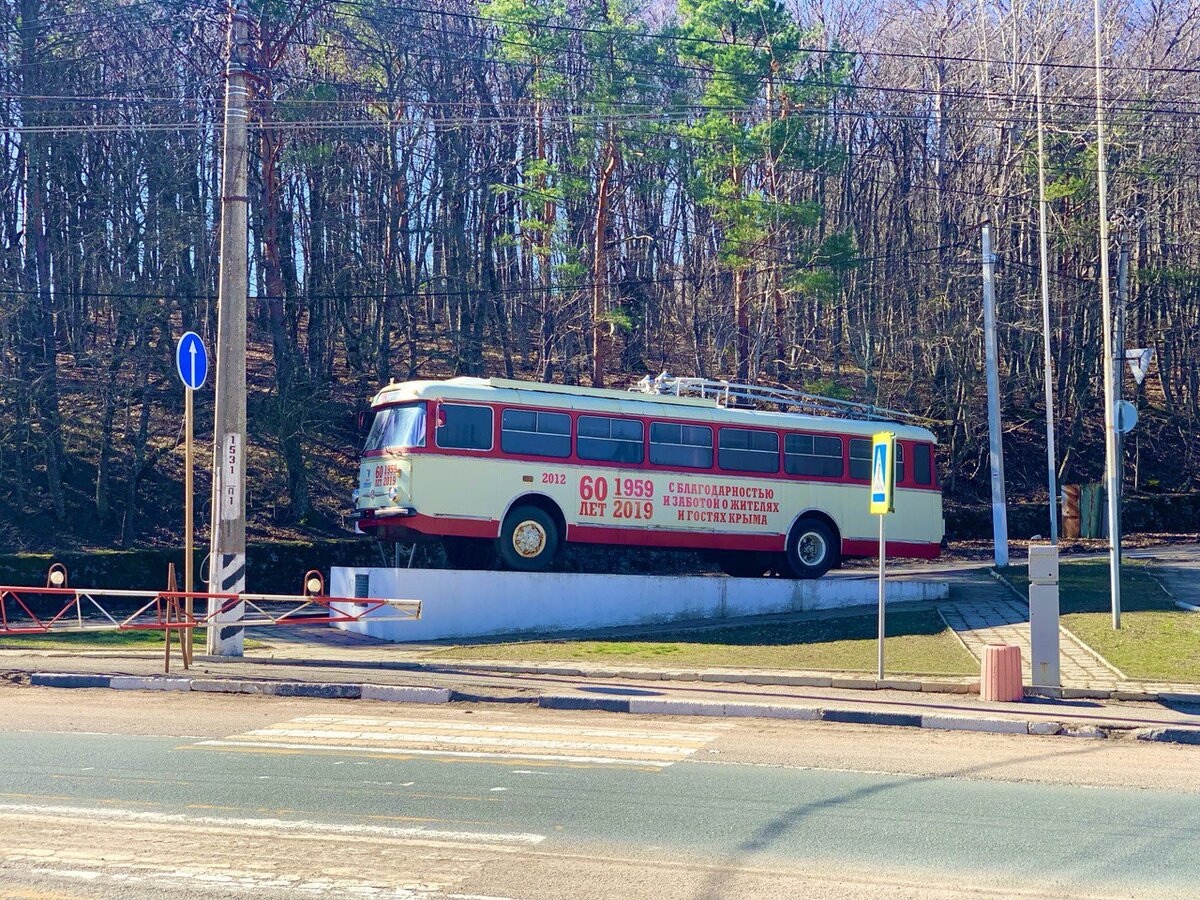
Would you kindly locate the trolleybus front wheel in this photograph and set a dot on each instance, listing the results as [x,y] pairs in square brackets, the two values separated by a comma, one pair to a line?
[812,550]
[528,540]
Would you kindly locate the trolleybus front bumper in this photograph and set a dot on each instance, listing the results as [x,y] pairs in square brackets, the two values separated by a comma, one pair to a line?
[370,517]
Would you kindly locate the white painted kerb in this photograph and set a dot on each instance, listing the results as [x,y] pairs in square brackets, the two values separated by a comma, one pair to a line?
[458,604]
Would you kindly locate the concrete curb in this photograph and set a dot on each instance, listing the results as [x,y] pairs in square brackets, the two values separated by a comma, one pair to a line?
[397,693]
[149,683]
[969,723]
[637,705]
[937,721]
[871,717]
[1169,735]
[62,680]
[1126,690]
[963,685]
[967,684]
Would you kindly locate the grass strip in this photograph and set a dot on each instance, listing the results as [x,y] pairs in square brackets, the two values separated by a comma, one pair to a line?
[918,642]
[1157,641]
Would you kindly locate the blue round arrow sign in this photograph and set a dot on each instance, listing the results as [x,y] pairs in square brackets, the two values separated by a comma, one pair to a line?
[191,360]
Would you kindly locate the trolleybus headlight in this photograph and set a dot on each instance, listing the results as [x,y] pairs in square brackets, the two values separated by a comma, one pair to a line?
[314,584]
[57,576]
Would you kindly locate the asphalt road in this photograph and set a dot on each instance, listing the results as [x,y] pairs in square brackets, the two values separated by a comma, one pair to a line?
[107,794]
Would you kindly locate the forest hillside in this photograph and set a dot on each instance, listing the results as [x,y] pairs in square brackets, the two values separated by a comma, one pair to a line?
[583,192]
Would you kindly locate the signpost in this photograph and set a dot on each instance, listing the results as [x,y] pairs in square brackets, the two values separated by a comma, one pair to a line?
[883,489]
[191,361]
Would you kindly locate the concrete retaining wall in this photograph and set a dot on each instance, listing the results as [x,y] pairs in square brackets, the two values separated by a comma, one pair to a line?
[477,604]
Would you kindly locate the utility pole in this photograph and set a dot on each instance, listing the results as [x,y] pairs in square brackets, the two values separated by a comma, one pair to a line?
[1112,468]
[1051,458]
[995,442]
[227,555]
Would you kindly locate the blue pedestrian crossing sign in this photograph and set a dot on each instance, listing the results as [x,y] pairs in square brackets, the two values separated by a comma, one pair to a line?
[191,360]
[883,473]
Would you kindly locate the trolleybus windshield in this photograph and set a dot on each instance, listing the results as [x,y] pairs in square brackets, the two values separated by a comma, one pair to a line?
[397,426]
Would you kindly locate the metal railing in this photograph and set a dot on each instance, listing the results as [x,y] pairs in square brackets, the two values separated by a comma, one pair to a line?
[733,394]
[76,610]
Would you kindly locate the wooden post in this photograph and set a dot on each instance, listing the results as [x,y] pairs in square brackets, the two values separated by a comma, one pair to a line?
[172,604]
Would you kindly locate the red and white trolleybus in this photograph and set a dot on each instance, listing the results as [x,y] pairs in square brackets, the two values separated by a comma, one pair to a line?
[515,469]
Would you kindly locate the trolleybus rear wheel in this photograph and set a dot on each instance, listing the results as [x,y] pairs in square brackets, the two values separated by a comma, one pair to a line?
[528,540]
[811,549]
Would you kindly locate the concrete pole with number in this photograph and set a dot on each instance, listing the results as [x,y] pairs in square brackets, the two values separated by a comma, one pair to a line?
[995,438]
[227,557]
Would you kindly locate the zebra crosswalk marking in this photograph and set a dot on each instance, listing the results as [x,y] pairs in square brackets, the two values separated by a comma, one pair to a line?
[637,746]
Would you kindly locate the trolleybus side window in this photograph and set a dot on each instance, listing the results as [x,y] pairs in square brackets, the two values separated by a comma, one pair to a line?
[397,426]
[923,464]
[743,450]
[686,446]
[464,427]
[860,460]
[812,454]
[532,432]
[609,440]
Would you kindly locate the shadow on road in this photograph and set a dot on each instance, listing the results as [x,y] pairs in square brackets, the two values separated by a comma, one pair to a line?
[765,838]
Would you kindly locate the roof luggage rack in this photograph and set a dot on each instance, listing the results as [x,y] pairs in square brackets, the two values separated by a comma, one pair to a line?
[732,394]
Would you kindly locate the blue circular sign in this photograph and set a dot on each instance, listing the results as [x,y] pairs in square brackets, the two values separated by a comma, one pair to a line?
[191,360]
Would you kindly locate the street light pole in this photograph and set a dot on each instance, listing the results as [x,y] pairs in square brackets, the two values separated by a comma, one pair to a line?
[227,558]
[1051,461]
[1112,463]
[995,436]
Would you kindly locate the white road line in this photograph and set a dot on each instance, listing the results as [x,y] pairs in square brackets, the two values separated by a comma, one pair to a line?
[421,751]
[317,829]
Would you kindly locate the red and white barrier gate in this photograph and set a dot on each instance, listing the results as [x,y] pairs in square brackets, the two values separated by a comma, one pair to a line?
[78,610]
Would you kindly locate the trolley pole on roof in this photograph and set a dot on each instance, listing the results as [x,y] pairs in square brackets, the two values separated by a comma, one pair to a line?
[227,556]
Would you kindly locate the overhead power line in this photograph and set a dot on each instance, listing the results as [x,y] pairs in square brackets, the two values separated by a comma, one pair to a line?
[839,51]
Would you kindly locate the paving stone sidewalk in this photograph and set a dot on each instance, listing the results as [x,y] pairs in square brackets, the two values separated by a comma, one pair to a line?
[983,611]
